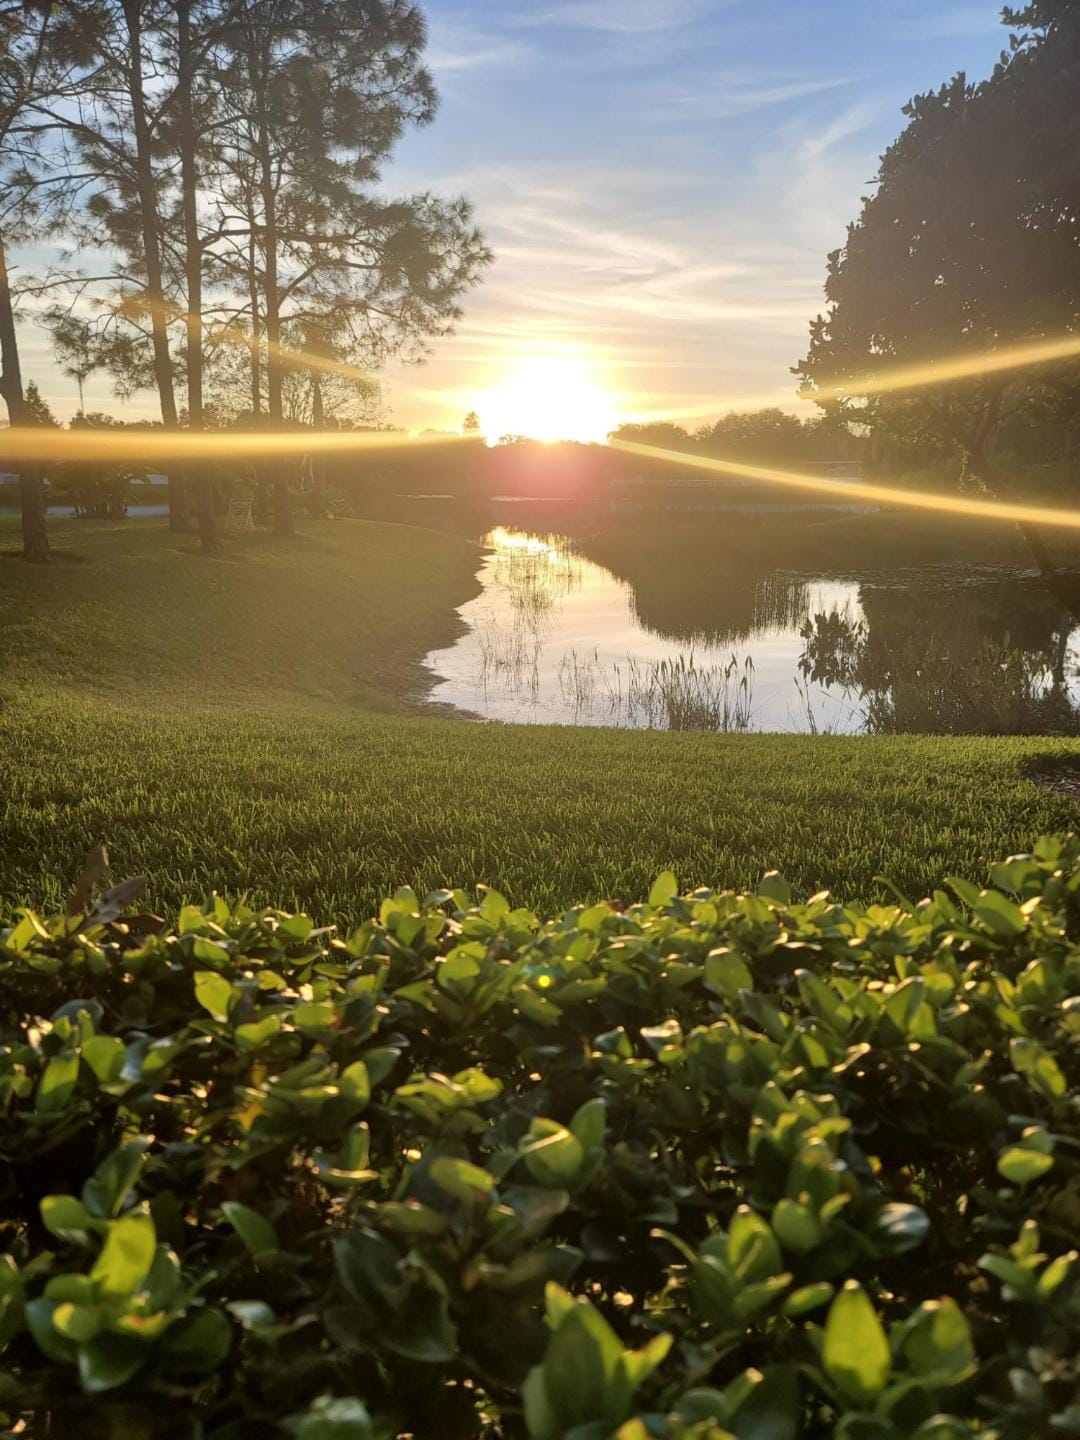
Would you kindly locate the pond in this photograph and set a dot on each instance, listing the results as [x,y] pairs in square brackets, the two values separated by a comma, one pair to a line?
[652,636]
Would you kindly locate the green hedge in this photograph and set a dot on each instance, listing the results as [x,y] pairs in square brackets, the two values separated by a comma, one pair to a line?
[718,1165]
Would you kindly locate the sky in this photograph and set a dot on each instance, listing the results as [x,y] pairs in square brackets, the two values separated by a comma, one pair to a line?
[660,181]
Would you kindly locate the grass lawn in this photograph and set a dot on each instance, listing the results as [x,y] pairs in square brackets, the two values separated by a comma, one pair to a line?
[243,725]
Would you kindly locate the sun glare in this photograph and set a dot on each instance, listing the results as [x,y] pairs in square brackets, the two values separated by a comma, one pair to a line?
[549,398]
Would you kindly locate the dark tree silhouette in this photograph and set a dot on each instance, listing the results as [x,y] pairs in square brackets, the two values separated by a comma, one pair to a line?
[970,243]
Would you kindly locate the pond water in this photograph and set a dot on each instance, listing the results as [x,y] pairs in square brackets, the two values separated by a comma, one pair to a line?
[557,637]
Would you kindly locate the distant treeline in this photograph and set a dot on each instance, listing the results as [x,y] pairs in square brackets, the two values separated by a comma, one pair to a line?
[757,437]
[378,480]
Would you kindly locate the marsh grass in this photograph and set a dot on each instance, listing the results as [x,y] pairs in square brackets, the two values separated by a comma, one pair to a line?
[682,695]
[508,658]
[529,578]
[675,694]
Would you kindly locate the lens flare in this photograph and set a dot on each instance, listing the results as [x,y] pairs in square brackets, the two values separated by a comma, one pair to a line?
[235,335]
[961,367]
[44,445]
[856,490]
[298,359]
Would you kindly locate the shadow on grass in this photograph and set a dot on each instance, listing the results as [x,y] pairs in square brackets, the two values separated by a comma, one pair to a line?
[56,557]
[1057,773]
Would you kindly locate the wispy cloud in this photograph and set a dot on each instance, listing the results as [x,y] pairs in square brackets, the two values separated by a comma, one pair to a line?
[625,17]
[732,95]
[849,122]
[455,48]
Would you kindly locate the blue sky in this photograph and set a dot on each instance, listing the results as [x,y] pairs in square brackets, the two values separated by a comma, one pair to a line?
[661,181]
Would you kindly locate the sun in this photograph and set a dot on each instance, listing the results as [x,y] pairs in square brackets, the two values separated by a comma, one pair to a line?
[548,398]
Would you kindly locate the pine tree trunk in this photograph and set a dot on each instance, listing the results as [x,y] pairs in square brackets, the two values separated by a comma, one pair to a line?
[253,300]
[261,507]
[199,468]
[155,289]
[31,490]
[318,457]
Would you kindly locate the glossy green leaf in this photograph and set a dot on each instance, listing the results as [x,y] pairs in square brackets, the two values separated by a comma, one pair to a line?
[464,1181]
[57,1084]
[126,1256]
[940,1344]
[1020,1165]
[66,1217]
[855,1351]
[258,1032]
[109,1361]
[198,1344]
[214,993]
[664,889]
[107,1190]
[105,1055]
[553,1155]
[257,1233]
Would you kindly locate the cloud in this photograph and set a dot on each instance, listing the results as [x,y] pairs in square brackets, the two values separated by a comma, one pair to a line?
[732,95]
[626,17]
[454,48]
[849,122]
[583,253]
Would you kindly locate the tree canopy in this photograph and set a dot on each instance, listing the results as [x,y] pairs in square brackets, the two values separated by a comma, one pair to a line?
[224,162]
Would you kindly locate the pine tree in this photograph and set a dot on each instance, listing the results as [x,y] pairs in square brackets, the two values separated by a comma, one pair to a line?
[317,92]
[42,62]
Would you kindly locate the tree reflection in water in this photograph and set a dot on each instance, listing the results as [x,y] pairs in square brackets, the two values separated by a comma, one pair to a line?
[717,628]
[983,654]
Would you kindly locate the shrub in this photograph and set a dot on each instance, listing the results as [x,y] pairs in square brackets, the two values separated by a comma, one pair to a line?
[715,1165]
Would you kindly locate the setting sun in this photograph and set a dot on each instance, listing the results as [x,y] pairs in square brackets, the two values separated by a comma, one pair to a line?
[549,398]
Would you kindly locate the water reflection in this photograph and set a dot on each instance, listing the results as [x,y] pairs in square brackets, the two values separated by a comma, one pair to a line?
[556,637]
[524,586]
[696,588]
[989,654]
[682,634]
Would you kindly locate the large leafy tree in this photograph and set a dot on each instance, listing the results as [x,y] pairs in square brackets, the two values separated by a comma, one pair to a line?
[969,244]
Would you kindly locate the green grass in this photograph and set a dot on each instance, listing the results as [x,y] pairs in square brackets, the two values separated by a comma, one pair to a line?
[215,724]
[344,612]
